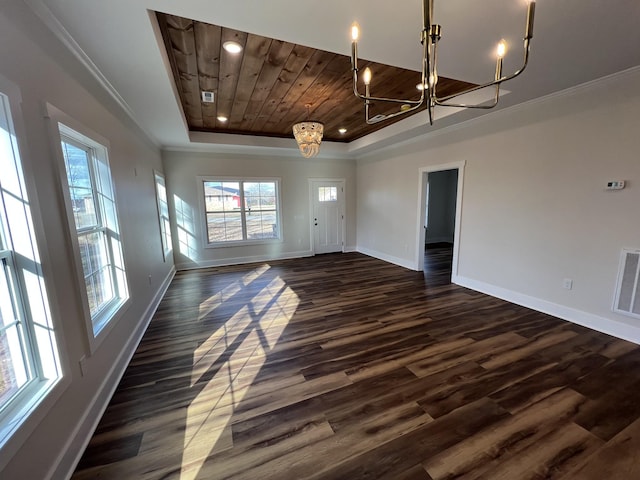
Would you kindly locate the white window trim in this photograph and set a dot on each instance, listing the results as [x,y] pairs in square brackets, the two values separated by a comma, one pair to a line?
[23,419]
[238,243]
[58,121]
[165,240]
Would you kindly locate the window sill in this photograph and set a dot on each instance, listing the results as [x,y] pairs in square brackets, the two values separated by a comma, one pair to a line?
[244,243]
[108,319]
[19,420]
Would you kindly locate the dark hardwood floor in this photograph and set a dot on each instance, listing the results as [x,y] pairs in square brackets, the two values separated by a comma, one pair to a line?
[437,263]
[342,366]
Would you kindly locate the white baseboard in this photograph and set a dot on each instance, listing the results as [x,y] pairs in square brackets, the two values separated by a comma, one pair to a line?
[79,439]
[402,262]
[350,249]
[601,324]
[242,260]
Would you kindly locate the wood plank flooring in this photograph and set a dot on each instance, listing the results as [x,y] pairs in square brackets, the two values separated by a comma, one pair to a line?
[342,366]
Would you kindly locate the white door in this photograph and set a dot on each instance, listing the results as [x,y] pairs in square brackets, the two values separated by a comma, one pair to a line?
[327,215]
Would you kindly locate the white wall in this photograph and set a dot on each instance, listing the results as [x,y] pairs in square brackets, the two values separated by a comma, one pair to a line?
[535,209]
[182,169]
[32,59]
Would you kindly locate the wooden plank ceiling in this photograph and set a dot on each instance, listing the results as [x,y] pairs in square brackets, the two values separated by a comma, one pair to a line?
[264,90]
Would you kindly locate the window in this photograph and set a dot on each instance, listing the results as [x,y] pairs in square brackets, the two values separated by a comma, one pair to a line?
[163,213]
[241,210]
[327,194]
[29,364]
[93,208]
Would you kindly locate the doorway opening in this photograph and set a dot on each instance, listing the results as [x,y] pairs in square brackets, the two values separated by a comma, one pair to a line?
[439,221]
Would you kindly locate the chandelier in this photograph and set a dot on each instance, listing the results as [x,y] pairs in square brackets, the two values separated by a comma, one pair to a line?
[308,134]
[429,38]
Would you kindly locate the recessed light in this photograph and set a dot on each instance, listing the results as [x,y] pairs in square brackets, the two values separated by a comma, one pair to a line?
[222,119]
[342,131]
[232,47]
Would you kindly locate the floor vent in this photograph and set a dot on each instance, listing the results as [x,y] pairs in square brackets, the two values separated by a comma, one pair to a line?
[627,300]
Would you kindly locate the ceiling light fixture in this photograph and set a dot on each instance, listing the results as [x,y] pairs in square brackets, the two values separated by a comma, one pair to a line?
[429,38]
[308,134]
[222,119]
[342,131]
[232,47]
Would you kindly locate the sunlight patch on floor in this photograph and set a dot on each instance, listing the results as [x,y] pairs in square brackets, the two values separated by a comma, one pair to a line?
[232,356]
[209,413]
[274,321]
[214,301]
[209,352]
[255,273]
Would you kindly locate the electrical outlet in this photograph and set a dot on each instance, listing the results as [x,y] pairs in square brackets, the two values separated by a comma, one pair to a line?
[567,284]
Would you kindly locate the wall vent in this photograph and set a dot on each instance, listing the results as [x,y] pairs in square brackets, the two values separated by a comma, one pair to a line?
[627,299]
[208,97]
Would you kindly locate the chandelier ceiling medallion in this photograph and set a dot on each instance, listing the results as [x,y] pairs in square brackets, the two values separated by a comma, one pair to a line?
[308,134]
[429,38]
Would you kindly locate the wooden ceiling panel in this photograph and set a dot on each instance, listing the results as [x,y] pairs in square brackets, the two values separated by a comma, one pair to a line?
[264,90]
[292,68]
[207,40]
[274,62]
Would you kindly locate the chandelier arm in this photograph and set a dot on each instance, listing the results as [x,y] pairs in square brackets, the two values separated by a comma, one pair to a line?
[415,103]
[371,121]
[466,105]
[355,85]
[426,70]
[443,100]
[369,98]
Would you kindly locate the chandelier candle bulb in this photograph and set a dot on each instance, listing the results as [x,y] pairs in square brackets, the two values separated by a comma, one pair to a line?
[501,51]
[355,33]
[367,76]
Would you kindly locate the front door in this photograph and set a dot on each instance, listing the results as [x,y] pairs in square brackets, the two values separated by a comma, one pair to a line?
[327,215]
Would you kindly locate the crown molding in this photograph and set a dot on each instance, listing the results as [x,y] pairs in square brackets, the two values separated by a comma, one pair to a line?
[43,12]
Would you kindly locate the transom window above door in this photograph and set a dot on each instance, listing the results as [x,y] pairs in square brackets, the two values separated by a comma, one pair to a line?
[327,194]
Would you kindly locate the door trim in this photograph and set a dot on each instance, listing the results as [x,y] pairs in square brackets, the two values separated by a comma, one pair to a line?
[422,200]
[343,184]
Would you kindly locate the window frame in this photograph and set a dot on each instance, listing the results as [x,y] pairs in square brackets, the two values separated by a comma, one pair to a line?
[106,317]
[34,303]
[243,211]
[30,355]
[164,221]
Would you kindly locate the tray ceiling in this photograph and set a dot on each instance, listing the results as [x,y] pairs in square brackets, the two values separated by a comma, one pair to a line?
[265,89]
